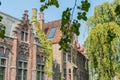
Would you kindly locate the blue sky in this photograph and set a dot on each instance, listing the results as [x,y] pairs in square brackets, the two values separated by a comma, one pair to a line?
[16,8]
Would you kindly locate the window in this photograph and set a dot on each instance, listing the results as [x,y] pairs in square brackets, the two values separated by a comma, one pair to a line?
[24,35]
[40,72]
[1,50]
[69,56]
[64,57]
[64,70]
[69,71]
[2,68]
[7,51]
[22,70]
[51,34]
[3,62]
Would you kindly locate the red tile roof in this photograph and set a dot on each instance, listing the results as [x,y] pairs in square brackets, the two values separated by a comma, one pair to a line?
[58,34]
[80,49]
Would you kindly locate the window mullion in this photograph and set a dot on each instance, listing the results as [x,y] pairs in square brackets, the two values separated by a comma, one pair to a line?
[0,61]
[22,71]
[24,36]
[40,76]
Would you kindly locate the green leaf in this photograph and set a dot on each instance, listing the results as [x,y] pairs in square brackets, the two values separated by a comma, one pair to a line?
[117,10]
[42,0]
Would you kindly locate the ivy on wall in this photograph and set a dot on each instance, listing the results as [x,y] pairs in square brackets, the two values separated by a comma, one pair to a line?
[46,48]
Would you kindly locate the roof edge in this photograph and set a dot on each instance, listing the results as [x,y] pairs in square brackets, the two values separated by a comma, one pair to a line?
[9,16]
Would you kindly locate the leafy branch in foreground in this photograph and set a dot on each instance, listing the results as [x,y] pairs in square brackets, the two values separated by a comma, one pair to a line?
[69,25]
[2,29]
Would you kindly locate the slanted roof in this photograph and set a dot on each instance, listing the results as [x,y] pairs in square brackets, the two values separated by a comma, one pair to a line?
[9,22]
[52,29]
[81,50]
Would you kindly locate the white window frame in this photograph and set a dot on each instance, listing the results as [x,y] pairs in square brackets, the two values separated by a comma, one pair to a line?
[22,68]
[41,71]
[5,61]
[24,35]
[3,66]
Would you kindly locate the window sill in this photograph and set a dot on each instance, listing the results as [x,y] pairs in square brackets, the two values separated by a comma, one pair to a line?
[27,42]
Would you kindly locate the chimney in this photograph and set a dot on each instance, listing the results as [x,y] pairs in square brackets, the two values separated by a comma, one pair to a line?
[34,15]
[41,20]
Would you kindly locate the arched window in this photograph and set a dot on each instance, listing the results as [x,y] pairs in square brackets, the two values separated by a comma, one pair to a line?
[1,50]
[7,51]
[24,34]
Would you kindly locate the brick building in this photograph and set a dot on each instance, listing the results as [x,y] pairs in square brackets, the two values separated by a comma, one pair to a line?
[20,58]
[72,65]
[82,64]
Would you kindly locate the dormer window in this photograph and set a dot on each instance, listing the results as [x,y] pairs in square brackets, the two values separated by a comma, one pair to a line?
[52,32]
[24,35]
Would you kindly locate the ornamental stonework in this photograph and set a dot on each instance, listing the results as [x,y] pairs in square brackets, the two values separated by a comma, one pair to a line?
[23,52]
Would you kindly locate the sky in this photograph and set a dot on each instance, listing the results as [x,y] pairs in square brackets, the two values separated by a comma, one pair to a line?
[16,9]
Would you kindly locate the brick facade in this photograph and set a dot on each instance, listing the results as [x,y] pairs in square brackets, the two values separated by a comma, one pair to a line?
[24,59]
[24,55]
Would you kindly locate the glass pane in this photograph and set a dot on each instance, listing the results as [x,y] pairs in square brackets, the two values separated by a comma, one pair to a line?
[24,78]
[42,76]
[22,36]
[69,58]
[19,78]
[64,76]
[52,32]
[19,72]
[39,67]
[38,75]
[24,73]
[64,57]
[20,64]
[1,77]
[42,67]
[1,73]
[3,62]
[25,65]
[7,51]
[26,36]
[1,50]
[64,71]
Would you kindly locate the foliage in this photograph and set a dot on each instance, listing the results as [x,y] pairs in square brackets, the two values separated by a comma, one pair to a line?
[69,25]
[102,14]
[117,10]
[46,48]
[102,42]
[101,48]
[2,29]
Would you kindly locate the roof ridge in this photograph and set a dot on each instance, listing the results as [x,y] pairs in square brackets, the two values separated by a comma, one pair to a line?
[53,21]
[9,15]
